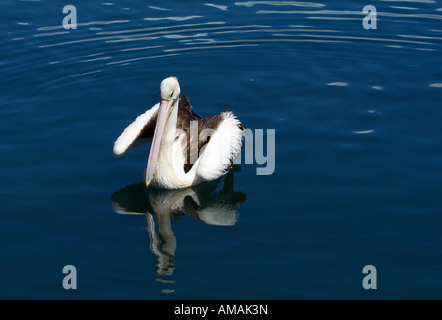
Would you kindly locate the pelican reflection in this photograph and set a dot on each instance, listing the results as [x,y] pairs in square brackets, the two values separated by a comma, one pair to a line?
[214,203]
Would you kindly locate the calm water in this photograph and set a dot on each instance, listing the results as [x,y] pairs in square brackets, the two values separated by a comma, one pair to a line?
[358,175]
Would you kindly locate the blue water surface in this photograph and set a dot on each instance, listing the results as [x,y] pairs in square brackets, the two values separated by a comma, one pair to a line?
[358,158]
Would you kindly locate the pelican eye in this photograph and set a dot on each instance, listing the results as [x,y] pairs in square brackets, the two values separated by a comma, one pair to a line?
[171,94]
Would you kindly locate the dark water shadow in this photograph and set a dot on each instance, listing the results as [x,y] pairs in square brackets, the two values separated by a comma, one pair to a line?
[214,203]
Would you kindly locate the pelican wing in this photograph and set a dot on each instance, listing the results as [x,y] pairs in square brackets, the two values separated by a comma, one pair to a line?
[186,113]
[138,132]
[220,141]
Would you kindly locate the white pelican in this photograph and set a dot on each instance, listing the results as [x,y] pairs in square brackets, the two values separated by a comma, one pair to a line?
[186,149]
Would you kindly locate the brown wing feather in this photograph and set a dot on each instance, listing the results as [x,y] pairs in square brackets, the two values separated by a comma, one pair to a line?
[206,128]
[185,112]
[149,129]
[185,116]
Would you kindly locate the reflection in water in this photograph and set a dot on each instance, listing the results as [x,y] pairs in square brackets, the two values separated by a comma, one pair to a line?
[214,203]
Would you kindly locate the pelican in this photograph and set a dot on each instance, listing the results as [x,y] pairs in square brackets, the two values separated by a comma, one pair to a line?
[186,149]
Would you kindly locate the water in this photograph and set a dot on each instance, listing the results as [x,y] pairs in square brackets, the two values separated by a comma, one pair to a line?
[358,171]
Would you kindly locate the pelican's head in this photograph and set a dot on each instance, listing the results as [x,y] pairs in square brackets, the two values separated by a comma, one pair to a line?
[170,89]
[169,94]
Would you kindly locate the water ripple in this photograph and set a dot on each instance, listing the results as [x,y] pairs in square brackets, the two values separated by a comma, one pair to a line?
[170,37]
[416,1]
[223,8]
[163,28]
[338,84]
[173,18]
[403,8]
[141,58]
[280,3]
[133,38]
[83,24]
[346,12]
[158,8]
